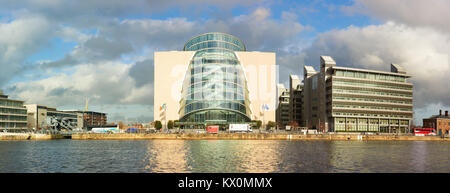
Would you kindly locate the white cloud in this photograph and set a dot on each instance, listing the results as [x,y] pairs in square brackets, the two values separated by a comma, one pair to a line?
[19,39]
[433,13]
[110,82]
[96,67]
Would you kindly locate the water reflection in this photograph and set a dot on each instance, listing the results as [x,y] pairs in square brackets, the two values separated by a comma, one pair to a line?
[167,156]
[224,156]
[418,154]
[260,156]
[232,156]
[347,158]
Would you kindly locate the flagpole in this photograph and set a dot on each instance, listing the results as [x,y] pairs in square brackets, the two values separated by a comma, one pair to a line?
[263,119]
[264,107]
[165,115]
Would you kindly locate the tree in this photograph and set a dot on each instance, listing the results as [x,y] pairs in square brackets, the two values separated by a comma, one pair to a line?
[170,124]
[293,124]
[258,124]
[158,125]
[271,124]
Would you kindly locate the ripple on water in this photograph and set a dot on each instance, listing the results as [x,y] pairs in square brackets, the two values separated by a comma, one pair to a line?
[223,156]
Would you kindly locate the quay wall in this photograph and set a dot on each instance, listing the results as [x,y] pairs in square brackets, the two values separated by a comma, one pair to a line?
[29,136]
[252,136]
[220,136]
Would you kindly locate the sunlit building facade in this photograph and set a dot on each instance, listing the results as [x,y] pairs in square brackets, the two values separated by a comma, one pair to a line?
[43,117]
[342,99]
[13,114]
[214,79]
[439,122]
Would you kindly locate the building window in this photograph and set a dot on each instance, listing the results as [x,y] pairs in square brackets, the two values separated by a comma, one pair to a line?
[314,82]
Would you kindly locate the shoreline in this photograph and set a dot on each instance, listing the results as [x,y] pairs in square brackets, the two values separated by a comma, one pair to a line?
[220,136]
[28,136]
[254,136]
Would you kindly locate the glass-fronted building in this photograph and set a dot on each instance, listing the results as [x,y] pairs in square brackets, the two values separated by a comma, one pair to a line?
[13,114]
[214,87]
[214,79]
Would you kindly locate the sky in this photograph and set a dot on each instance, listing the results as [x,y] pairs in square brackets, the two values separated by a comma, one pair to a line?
[60,52]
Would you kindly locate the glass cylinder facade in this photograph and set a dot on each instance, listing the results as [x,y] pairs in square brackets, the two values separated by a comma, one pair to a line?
[214,88]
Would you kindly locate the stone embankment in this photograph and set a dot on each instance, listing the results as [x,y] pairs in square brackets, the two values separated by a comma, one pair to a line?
[220,136]
[252,136]
[29,136]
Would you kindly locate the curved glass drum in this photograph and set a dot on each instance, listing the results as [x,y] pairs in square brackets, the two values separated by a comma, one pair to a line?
[214,88]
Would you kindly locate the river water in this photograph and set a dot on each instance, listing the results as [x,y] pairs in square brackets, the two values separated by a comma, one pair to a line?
[141,156]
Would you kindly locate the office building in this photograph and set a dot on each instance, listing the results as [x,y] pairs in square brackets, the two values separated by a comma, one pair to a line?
[282,111]
[51,118]
[342,99]
[214,80]
[91,118]
[13,115]
[295,100]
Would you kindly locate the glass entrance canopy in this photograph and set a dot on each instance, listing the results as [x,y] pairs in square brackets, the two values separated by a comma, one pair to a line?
[214,87]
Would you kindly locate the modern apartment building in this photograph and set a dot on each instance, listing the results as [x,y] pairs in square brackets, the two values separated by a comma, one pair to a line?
[214,80]
[439,122]
[295,100]
[282,111]
[13,115]
[342,99]
[91,118]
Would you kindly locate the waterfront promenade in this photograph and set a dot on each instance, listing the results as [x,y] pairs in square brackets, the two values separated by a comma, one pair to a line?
[222,136]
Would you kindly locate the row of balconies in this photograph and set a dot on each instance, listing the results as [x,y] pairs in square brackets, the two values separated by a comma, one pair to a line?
[13,107]
[380,124]
[13,114]
[13,121]
[371,117]
[344,109]
[341,101]
[371,81]
[354,87]
[368,95]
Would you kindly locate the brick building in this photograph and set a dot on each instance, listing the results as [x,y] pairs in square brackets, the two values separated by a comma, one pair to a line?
[439,122]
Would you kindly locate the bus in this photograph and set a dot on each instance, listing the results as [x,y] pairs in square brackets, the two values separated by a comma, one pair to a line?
[212,129]
[424,131]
